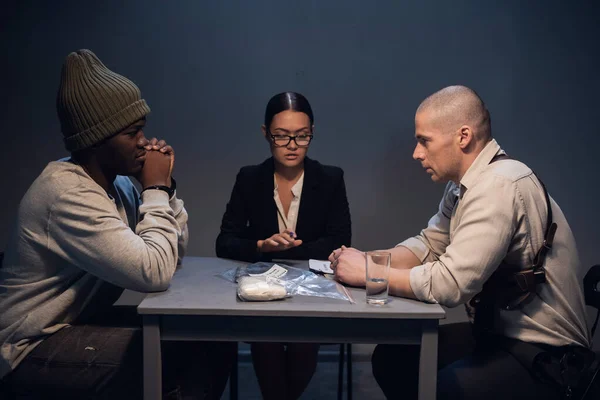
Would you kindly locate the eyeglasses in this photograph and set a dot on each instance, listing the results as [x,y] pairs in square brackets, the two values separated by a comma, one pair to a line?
[284,140]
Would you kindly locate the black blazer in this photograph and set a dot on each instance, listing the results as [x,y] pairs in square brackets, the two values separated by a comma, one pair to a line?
[251,214]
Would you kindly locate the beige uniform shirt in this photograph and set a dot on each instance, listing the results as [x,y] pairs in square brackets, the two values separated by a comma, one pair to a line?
[498,215]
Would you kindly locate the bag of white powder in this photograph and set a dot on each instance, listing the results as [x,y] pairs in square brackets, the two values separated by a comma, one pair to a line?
[259,288]
[265,281]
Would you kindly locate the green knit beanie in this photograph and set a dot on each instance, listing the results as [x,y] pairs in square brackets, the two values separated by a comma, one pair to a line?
[95,103]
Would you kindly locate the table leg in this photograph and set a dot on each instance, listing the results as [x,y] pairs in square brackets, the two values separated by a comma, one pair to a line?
[152,359]
[233,377]
[341,372]
[349,372]
[428,361]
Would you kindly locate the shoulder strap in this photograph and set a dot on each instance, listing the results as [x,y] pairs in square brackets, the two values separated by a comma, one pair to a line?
[540,257]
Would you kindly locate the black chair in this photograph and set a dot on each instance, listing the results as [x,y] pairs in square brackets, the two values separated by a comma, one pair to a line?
[591,291]
[4,391]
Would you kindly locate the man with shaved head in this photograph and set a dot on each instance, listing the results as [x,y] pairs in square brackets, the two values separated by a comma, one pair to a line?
[490,229]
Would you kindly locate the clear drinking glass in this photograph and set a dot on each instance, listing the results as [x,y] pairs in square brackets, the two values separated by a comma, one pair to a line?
[378,273]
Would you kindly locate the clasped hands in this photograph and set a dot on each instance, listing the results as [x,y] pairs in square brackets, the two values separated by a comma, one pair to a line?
[348,265]
[279,242]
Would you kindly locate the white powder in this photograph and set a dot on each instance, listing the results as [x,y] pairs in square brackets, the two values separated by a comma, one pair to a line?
[252,288]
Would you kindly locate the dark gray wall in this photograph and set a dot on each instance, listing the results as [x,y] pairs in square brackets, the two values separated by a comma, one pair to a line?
[207,69]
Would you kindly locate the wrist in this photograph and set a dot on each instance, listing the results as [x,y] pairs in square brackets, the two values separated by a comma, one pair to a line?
[172,185]
[156,182]
[170,188]
[164,188]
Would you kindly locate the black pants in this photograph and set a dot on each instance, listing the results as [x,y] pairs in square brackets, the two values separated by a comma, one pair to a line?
[103,362]
[465,371]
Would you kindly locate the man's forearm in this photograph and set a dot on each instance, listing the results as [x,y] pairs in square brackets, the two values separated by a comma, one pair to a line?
[403,258]
[400,283]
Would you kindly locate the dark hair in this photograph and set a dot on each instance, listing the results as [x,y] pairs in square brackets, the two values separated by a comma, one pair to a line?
[287,101]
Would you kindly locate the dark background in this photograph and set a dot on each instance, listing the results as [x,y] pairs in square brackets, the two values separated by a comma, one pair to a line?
[207,69]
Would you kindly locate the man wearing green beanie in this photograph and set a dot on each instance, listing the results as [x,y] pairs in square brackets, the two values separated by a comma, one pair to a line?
[84,234]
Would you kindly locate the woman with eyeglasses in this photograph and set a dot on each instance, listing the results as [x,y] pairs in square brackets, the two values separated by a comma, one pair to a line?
[287,207]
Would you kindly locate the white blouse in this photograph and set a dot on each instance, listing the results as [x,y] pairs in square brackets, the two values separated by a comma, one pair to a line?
[292,216]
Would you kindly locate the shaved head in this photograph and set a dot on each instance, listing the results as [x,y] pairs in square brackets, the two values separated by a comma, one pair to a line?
[455,106]
[452,126]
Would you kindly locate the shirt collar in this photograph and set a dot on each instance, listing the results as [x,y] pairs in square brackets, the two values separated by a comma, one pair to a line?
[481,162]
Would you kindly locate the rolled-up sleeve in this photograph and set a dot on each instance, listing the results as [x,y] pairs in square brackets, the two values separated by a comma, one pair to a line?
[486,221]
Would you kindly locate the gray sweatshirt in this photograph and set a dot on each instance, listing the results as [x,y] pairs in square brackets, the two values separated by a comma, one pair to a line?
[70,238]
